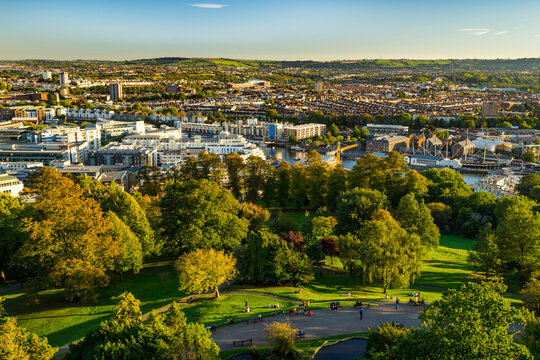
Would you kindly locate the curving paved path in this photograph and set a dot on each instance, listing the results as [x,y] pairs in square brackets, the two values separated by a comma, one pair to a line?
[323,323]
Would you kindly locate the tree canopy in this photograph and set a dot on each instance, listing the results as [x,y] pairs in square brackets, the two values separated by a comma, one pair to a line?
[199,214]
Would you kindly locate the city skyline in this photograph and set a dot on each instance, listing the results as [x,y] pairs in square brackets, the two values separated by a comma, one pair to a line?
[280,30]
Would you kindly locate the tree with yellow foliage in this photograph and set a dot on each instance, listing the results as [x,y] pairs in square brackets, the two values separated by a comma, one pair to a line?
[202,270]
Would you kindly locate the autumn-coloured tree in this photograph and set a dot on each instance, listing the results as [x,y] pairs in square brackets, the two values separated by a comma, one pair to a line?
[202,270]
[281,337]
[69,243]
[330,247]
[295,240]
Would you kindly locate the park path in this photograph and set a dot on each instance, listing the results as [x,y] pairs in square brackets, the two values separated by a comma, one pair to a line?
[324,322]
[10,287]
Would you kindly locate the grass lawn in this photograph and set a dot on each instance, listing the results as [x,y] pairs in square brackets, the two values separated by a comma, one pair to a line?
[446,268]
[63,322]
[298,217]
[215,311]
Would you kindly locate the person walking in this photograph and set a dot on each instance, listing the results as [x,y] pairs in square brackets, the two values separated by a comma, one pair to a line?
[397,302]
[361,313]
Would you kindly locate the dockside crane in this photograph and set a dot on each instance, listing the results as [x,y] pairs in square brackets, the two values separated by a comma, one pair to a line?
[340,150]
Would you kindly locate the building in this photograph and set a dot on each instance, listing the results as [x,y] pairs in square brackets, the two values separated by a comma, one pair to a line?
[47,75]
[10,185]
[89,114]
[115,91]
[490,109]
[318,87]
[303,131]
[385,144]
[381,129]
[251,84]
[64,78]
[45,153]
[463,148]
[428,161]
[123,155]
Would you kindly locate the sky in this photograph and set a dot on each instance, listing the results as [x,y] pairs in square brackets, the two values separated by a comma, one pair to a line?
[269,30]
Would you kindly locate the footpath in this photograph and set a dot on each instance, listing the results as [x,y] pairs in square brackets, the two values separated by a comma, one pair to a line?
[324,322]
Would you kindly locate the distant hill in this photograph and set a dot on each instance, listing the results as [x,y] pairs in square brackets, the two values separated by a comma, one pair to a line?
[382,65]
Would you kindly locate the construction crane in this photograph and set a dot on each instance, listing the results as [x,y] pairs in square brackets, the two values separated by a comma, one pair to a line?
[340,150]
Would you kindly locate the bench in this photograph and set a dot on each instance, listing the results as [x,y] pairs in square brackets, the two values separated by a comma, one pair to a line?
[242,342]
[254,320]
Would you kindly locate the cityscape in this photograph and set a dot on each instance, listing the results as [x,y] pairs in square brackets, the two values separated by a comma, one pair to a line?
[270,181]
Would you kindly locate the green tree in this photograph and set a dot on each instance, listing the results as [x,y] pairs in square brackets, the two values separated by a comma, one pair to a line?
[131,256]
[529,156]
[356,207]
[415,217]
[255,175]
[12,213]
[441,214]
[317,179]
[337,185]
[210,167]
[298,186]
[203,270]
[529,186]
[18,343]
[531,296]
[323,225]
[447,186]
[190,169]
[199,214]
[235,167]
[384,339]
[531,337]
[160,337]
[284,183]
[486,257]
[470,323]
[382,251]
[269,194]
[389,175]
[267,258]
[518,236]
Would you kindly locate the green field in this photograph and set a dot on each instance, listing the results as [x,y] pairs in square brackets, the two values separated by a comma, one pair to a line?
[212,311]
[64,322]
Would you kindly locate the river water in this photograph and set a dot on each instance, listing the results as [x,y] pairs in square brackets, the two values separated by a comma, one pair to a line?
[292,157]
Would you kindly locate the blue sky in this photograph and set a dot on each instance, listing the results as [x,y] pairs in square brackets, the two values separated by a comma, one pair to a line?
[273,29]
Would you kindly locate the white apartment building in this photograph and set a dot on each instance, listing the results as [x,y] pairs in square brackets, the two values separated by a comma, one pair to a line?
[10,185]
[64,78]
[68,135]
[89,114]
